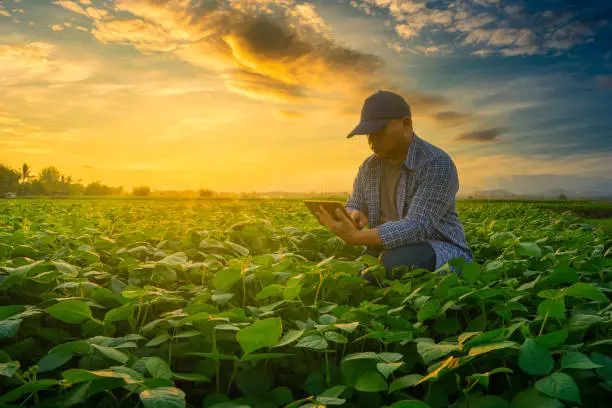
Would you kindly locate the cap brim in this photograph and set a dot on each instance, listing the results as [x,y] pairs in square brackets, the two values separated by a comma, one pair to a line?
[367,127]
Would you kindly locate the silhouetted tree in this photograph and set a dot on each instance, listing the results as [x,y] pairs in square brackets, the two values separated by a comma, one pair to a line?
[141,191]
[50,178]
[9,179]
[204,192]
[25,172]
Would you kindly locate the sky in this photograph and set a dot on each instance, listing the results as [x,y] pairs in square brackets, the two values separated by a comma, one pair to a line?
[259,95]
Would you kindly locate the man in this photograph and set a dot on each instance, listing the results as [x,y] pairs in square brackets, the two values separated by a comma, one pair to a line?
[405,192]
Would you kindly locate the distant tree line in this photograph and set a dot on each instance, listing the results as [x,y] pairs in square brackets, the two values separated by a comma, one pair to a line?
[50,182]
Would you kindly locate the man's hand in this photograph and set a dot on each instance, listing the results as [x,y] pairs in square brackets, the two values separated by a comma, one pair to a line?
[344,228]
[360,218]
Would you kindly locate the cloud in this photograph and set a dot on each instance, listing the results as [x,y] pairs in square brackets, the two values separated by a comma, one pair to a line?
[489,27]
[484,135]
[452,118]
[604,81]
[13,126]
[275,56]
[37,61]
[289,114]
[262,87]
[538,183]
[91,12]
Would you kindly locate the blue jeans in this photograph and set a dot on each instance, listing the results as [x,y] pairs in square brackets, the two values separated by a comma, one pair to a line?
[417,255]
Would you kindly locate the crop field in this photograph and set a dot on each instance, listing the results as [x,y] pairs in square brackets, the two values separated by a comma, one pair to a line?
[251,303]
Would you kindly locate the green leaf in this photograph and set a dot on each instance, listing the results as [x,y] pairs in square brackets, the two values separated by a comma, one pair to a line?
[314,342]
[271,290]
[574,359]
[410,404]
[112,353]
[226,278]
[484,377]
[77,375]
[291,292]
[471,272]
[559,385]
[386,369]
[158,368]
[262,333]
[335,337]
[366,355]
[478,350]
[586,291]
[535,359]
[12,310]
[281,395]
[389,357]
[404,382]
[347,327]
[163,397]
[533,398]
[26,389]
[579,322]
[120,313]
[9,369]
[552,339]
[431,351]
[9,328]
[215,356]
[176,259]
[485,401]
[264,356]
[500,239]
[606,366]
[290,337]
[314,383]
[334,391]
[528,249]
[70,311]
[52,361]
[157,340]
[555,308]
[371,382]
[195,377]
[329,400]
[429,309]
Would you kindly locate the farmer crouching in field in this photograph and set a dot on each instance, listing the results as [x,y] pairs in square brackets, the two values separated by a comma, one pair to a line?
[405,193]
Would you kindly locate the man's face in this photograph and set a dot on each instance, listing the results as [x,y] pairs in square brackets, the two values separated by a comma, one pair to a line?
[386,141]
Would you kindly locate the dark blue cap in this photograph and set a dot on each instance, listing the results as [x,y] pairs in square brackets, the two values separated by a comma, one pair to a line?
[378,109]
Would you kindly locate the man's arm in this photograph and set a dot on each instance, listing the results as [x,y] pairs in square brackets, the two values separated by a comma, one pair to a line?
[435,194]
[357,199]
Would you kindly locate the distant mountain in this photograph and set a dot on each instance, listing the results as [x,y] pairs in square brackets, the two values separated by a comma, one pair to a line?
[497,193]
[556,192]
[547,194]
[594,193]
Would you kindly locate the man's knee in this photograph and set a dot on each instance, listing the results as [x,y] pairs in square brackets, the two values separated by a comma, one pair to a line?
[412,256]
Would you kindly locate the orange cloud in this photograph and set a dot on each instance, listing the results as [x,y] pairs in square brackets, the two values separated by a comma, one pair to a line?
[277,59]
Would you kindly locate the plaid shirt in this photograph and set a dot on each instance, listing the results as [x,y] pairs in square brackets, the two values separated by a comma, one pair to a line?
[425,202]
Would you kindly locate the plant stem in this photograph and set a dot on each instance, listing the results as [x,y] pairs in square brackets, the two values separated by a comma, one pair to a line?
[114,398]
[243,286]
[170,347]
[321,279]
[231,380]
[545,318]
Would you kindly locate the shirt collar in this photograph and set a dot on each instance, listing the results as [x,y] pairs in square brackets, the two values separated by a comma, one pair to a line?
[411,157]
